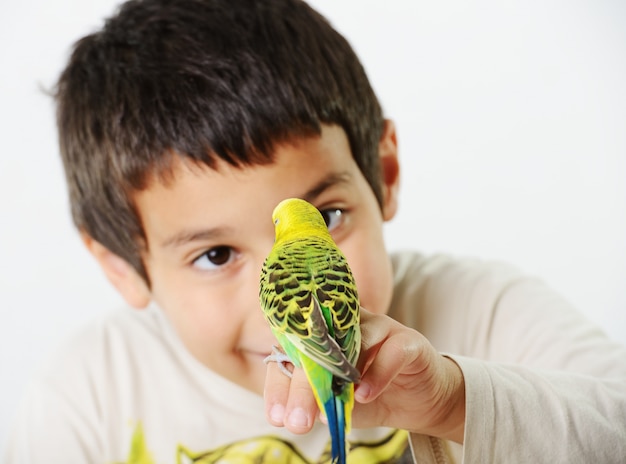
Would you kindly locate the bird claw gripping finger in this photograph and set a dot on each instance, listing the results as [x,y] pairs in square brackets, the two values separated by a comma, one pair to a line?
[281,358]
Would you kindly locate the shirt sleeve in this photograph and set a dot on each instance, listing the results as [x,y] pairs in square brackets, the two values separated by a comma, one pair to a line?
[60,416]
[50,428]
[543,383]
[551,386]
[517,414]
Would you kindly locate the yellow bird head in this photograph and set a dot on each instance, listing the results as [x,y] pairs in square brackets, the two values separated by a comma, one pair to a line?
[294,217]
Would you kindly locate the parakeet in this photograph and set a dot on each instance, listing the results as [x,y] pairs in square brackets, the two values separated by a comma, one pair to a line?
[309,298]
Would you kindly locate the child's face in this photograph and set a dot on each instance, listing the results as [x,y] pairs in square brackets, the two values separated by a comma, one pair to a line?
[209,231]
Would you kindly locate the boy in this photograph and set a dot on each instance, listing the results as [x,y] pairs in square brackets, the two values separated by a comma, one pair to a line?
[182,124]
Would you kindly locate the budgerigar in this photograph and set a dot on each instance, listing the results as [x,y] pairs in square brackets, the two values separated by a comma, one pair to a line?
[309,298]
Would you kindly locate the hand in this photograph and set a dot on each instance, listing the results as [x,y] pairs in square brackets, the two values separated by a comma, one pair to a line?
[405,383]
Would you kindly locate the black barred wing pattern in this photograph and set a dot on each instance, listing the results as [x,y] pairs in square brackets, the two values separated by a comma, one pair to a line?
[311,298]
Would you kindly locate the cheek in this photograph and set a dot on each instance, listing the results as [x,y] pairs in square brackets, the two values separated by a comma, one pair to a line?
[373,274]
[375,289]
[198,318]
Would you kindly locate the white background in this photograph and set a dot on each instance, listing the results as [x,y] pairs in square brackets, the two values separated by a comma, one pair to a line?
[512,131]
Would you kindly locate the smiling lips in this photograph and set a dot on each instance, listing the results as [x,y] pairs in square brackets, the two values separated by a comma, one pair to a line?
[255,353]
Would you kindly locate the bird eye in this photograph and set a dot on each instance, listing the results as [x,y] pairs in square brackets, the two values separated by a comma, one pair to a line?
[332,217]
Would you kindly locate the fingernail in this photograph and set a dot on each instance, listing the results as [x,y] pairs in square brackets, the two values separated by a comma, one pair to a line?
[277,414]
[298,418]
[362,392]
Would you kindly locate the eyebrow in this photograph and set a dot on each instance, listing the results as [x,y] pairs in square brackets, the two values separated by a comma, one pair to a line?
[332,180]
[187,236]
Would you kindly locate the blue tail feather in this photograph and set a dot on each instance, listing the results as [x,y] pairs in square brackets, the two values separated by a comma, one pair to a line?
[334,409]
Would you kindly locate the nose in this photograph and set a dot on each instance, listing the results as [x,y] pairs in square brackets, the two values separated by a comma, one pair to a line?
[258,329]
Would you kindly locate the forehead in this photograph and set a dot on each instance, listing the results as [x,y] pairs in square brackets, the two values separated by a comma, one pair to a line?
[194,194]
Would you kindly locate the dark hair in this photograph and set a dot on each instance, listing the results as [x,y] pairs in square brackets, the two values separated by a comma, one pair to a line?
[200,79]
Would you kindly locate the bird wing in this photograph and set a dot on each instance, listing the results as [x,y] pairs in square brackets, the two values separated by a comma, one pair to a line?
[315,307]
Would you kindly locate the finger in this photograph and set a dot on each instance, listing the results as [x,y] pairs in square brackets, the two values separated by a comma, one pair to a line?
[375,331]
[385,363]
[276,394]
[301,408]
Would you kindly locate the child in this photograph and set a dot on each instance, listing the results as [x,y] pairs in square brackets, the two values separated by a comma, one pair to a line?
[182,124]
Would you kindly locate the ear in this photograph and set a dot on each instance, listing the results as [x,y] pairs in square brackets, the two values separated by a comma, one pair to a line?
[120,273]
[388,152]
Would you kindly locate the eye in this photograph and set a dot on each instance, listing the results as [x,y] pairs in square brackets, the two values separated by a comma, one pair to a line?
[332,217]
[214,258]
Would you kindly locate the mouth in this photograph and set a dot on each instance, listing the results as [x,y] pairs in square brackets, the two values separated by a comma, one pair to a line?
[260,350]
[255,354]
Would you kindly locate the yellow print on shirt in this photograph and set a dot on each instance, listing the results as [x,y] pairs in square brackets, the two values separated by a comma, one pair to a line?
[392,449]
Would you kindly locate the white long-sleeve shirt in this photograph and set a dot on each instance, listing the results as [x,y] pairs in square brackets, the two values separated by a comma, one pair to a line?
[542,384]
